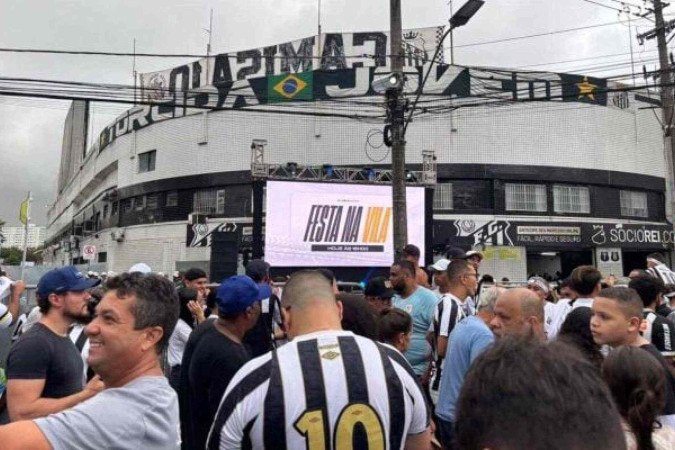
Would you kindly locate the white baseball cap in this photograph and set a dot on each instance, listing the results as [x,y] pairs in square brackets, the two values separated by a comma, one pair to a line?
[471,253]
[441,265]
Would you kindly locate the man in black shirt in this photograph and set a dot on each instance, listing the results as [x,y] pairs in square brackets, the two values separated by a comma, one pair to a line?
[44,368]
[260,339]
[659,331]
[616,321]
[217,354]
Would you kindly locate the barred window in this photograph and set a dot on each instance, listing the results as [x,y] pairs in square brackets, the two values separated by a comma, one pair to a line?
[443,196]
[140,203]
[152,202]
[571,199]
[172,198]
[634,204]
[209,201]
[525,197]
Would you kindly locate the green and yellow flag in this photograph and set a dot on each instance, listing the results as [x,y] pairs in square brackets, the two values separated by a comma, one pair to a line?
[290,87]
[23,211]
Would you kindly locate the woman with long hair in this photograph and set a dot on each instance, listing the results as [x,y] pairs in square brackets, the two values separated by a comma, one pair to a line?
[576,331]
[637,383]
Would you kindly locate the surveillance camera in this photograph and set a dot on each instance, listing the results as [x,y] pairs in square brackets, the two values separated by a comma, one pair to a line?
[387,82]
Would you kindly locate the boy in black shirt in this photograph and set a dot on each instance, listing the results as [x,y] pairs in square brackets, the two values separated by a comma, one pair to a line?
[616,321]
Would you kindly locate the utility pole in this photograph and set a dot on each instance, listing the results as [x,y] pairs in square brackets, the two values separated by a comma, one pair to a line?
[208,45]
[397,113]
[666,92]
[24,217]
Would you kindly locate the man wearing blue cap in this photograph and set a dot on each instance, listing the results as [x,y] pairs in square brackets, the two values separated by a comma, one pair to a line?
[44,368]
[218,355]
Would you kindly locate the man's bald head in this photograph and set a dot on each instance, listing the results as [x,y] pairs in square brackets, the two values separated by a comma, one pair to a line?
[517,311]
[307,287]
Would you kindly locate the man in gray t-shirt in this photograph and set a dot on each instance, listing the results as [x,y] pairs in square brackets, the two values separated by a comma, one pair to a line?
[138,409]
[137,415]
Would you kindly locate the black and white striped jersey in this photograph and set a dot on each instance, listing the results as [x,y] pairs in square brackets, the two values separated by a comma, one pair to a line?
[659,331]
[448,314]
[663,273]
[325,390]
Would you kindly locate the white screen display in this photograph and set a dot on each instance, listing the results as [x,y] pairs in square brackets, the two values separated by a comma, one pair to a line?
[336,225]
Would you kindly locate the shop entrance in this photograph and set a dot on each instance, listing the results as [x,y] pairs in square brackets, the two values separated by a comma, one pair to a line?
[557,265]
[572,260]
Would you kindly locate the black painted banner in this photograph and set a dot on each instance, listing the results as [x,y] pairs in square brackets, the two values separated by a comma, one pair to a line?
[553,235]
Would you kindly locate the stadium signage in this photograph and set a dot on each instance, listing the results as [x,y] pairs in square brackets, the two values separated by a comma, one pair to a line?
[562,235]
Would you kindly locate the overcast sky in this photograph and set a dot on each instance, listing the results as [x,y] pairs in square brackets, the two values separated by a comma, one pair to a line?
[31,130]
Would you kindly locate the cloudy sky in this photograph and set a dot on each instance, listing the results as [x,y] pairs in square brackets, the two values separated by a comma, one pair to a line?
[31,130]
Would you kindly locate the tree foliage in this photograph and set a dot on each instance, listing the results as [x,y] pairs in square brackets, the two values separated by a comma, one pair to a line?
[12,255]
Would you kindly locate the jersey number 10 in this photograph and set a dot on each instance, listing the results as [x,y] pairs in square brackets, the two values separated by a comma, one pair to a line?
[311,424]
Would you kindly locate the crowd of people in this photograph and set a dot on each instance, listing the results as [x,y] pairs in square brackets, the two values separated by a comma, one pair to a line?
[428,357]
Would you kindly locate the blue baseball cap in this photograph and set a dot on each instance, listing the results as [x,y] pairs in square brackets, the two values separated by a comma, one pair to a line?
[64,279]
[237,293]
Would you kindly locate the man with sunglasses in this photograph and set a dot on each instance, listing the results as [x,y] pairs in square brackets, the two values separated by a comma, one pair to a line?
[44,368]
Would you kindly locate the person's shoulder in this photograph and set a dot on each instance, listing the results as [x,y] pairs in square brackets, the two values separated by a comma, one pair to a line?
[37,335]
[476,325]
[651,348]
[140,394]
[427,294]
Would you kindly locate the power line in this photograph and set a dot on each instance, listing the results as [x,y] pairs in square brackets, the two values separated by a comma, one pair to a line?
[529,36]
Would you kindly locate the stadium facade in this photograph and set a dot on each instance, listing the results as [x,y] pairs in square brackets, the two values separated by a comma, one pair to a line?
[543,171]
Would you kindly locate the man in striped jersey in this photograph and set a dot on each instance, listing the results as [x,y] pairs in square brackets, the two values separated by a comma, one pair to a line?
[456,281]
[659,330]
[656,267]
[327,388]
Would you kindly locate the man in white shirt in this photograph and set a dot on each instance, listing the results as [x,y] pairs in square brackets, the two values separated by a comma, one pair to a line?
[585,282]
[456,281]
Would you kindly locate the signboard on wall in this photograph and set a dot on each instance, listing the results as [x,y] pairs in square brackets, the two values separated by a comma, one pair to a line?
[609,260]
[556,235]
[336,225]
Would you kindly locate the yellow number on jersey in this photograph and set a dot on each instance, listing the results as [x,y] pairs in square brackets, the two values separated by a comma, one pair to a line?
[311,425]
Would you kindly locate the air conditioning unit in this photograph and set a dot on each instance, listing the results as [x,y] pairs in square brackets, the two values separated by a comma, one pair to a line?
[117,235]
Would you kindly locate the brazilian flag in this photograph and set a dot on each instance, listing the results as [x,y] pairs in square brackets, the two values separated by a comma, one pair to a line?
[290,87]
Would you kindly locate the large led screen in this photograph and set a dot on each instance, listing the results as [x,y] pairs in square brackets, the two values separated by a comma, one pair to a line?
[336,225]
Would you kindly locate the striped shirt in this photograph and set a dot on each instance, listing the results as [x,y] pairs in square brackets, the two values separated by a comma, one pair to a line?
[330,389]
[659,331]
[448,314]
[663,273]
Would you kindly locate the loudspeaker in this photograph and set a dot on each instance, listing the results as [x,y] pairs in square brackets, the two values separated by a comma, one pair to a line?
[224,255]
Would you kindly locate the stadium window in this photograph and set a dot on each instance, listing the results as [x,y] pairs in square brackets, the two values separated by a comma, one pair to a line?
[634,204]
[571,199]
[172,198]
[525,197]
[140,203]
[113,209]
[146,161]
[102,257]
[128,205]
[105,210]
[209,201]
[443,196]
[152,202]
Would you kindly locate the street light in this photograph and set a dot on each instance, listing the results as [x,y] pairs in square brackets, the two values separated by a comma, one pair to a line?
[465,13]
